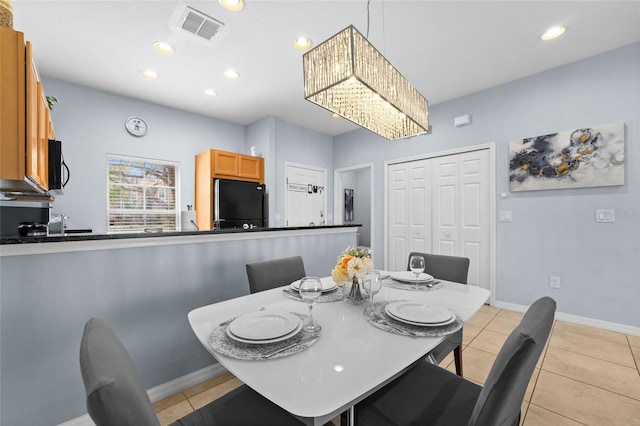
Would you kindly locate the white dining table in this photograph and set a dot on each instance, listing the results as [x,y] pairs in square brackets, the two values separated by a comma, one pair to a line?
[350,360]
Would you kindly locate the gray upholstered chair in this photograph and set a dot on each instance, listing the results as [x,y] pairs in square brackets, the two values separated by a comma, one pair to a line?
[449,268]
[274,273]
[430,395]
[116,396]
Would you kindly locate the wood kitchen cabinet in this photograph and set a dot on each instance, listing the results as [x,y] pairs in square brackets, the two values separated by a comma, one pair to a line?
[237,166]
[25,118]
[215,164]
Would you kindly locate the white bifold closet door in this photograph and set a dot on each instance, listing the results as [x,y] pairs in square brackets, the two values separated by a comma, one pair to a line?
[441,205]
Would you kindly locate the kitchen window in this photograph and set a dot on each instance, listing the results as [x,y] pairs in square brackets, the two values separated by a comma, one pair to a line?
[143,194]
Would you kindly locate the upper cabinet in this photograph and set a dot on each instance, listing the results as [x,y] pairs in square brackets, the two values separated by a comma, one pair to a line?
[233,165]
[215,164]
[25,118]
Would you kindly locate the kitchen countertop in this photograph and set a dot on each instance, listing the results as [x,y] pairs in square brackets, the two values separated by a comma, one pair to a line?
[97,237]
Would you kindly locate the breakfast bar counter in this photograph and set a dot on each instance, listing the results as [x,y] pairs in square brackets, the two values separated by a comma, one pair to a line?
[143,285]
[15,245]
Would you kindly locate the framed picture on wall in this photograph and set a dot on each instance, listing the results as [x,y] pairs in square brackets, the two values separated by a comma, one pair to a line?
[586,157]
[348,205]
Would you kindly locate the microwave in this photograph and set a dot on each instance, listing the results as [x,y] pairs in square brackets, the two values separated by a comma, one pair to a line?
[58,170]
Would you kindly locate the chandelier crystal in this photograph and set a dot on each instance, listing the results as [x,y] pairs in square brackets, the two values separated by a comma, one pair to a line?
[348,76]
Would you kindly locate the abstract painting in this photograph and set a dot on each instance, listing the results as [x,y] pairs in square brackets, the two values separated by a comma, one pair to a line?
[592,156]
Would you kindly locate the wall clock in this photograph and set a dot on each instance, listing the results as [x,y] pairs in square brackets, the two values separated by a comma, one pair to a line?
[136,126]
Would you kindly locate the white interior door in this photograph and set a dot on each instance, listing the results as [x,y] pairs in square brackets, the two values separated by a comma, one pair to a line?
[446,205]
[409,214]
[305,195]
[474,230]
[441,205]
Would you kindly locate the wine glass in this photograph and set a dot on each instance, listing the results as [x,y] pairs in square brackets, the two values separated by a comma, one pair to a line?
[373,283]
[310,290]
[416,264]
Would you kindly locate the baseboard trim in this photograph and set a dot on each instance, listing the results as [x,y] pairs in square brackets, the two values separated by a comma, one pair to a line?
[576,319]
[164,390]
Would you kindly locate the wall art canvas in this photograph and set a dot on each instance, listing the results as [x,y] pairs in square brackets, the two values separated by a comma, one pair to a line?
[592,156]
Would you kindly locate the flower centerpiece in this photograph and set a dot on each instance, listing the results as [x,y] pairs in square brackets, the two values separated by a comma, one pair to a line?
[352,265]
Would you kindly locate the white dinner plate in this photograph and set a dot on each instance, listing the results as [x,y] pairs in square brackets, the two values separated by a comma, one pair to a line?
[264,325]
[419,312]
[422,324]
[265,341]
[327,284]
[408,276]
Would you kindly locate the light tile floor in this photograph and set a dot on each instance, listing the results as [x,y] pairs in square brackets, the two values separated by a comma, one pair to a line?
[585,376]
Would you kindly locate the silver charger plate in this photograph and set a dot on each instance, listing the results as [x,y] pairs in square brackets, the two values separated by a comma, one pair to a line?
[375,315]
[422,286]
[331,296]
[223,344]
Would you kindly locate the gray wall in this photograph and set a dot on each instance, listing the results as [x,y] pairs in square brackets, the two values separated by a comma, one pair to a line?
[301,146]
[90,124]
[553,232]
[145,294]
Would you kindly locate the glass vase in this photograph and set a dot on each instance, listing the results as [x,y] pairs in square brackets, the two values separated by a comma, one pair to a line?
[354,294]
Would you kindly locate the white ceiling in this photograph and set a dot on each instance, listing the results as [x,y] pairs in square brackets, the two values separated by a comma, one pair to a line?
[446,49]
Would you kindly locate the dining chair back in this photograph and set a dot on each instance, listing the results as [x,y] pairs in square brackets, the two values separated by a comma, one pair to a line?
[430,395]
[274,273]
[449,268]
[115,394]
[501,397]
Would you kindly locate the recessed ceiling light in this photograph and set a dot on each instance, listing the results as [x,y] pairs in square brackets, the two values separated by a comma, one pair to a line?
[231,74]
[164,48]
[334,115]
[150,74]
[302,43]
[210,92]
[232,5]
[553,33]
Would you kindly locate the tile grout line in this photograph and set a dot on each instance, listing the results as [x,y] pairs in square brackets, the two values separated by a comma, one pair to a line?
[590,384]
[633,355]
[595,357]
[558,414]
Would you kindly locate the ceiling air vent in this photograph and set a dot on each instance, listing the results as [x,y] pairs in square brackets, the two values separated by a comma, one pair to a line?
[199,24]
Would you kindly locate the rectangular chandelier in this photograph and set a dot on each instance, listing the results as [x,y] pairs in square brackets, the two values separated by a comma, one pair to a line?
[348,76]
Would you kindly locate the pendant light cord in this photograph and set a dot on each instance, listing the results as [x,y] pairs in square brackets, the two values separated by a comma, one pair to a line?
[368,17]
[384,41]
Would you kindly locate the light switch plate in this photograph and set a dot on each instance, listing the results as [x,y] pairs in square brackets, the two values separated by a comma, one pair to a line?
[605,216]
[505,216]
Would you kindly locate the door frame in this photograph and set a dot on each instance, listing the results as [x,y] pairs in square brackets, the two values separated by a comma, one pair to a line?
[491,146]
[286,189]
[338,193]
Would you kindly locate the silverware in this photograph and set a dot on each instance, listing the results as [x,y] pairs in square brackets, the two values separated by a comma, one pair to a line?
[230,320]
[227,322]
[432,283]
[396,327]
[293,345]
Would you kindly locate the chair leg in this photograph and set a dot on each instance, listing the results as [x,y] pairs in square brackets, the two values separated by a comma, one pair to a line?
[457,356]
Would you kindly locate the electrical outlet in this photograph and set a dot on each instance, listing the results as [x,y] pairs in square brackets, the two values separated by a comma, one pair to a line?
[554,282]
